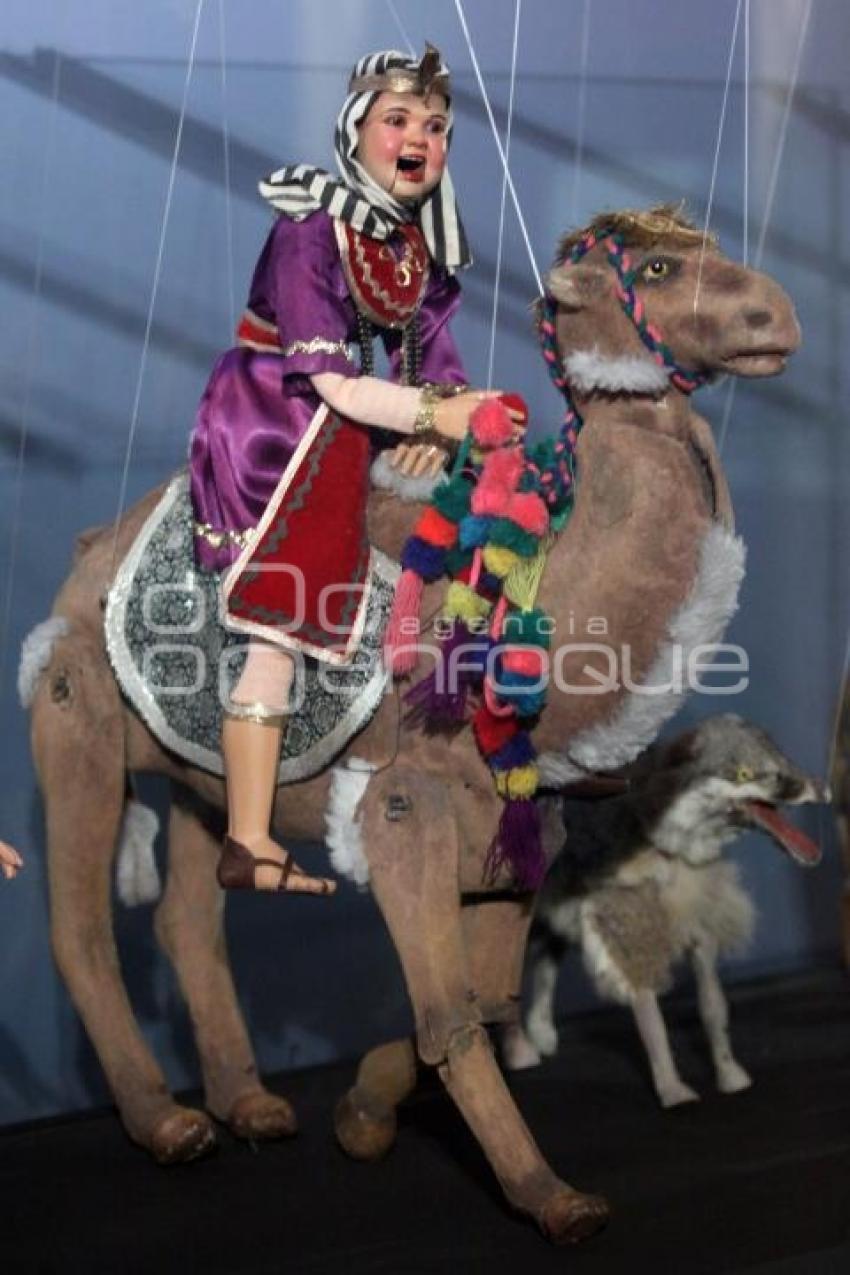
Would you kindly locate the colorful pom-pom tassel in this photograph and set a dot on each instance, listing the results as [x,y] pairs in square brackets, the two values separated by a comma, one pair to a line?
[528,661]
[492,733]
[428,561]
[516,403]
[490,424]
[458,559]
[503,468]
[441,697]
[518,845]
[490,500]
[533,626]
[518,751]
[436,529]
[519,781]
[401,639]
[464,603]
[474,531]
[529,512]
[499,560]
[452,498]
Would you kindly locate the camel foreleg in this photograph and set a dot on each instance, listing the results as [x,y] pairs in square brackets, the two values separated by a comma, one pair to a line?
[189,924]
[412,846]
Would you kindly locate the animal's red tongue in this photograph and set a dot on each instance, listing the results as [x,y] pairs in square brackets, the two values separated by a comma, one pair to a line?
[801,848]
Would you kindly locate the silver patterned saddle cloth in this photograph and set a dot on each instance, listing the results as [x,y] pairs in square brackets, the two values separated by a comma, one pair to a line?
[176,662]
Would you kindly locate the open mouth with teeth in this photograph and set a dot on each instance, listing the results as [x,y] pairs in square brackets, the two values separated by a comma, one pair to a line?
[792,840]
[411,167]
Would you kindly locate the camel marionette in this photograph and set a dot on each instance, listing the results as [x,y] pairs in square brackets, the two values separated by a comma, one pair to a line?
[640,310]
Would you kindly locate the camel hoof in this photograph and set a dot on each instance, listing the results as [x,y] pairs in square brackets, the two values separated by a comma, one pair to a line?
[365,1127]
[572,1216]
[182,1135]
[261,1116]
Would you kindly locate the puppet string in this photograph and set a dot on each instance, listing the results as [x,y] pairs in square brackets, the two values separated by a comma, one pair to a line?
[783,131]
[225,142]
[401,28]
[720,124]
[582,109]
[500,244]
[30,361]
[488,108]
[746,231]
[134,416]
[772,184]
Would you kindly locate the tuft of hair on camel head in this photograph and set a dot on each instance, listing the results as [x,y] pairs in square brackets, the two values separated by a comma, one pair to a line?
[640,228]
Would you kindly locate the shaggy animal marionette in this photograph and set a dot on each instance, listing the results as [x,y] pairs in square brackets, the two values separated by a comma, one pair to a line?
[641,883]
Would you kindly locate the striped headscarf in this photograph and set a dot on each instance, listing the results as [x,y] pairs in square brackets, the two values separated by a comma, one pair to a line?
[299,189]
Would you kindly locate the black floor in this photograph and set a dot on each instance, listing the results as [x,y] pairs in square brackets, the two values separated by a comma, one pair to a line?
[758,1182]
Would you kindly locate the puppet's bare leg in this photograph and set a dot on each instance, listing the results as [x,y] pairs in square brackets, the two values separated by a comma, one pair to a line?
[78,747]
[669,1086]
[365,1118]
[189,924]
[412,847]
[714,1012]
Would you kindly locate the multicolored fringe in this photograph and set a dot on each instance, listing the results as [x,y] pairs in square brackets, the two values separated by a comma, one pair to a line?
[486,527]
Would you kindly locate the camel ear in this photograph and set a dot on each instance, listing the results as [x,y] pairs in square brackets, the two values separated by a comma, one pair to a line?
[573,287]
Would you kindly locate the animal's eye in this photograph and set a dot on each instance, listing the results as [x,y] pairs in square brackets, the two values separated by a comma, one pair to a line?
[656,269]
[744,775]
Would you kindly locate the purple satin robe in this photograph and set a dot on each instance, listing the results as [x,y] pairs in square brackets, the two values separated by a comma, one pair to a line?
[257,405]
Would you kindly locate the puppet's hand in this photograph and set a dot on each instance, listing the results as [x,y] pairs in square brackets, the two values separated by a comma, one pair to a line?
[414,460]
[451,415]
[10,860]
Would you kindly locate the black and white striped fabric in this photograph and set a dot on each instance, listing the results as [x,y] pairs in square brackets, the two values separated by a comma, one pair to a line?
[299,189]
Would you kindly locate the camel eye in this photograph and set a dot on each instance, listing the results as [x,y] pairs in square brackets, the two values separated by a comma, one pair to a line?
[655,270]
[744,775]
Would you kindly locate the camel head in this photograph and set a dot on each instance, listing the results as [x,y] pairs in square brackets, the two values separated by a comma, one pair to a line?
[643,297]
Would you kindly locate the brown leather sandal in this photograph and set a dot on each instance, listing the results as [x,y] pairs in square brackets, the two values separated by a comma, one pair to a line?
[237,868]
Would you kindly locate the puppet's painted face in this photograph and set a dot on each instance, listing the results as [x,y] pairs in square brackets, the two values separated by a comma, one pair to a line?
[402,144]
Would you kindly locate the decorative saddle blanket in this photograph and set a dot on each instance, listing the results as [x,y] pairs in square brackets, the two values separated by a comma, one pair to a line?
[176,662]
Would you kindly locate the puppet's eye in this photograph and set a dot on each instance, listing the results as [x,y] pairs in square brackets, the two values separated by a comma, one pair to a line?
[656,269]
[744,775]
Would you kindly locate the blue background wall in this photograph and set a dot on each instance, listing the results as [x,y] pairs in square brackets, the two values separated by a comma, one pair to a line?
[90,97]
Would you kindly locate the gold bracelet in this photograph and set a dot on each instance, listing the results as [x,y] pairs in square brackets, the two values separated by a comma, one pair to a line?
[425,420]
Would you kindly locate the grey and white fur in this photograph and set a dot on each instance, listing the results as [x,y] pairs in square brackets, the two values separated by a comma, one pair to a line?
[641,883]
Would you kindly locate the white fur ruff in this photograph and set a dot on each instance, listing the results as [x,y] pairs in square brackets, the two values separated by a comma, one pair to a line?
[343,830]
[589,370]
[36,653]
[136,870]
[702,618]
[409,490]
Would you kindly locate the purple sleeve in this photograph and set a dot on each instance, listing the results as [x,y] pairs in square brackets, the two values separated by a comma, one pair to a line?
[307,292]
[440,358]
